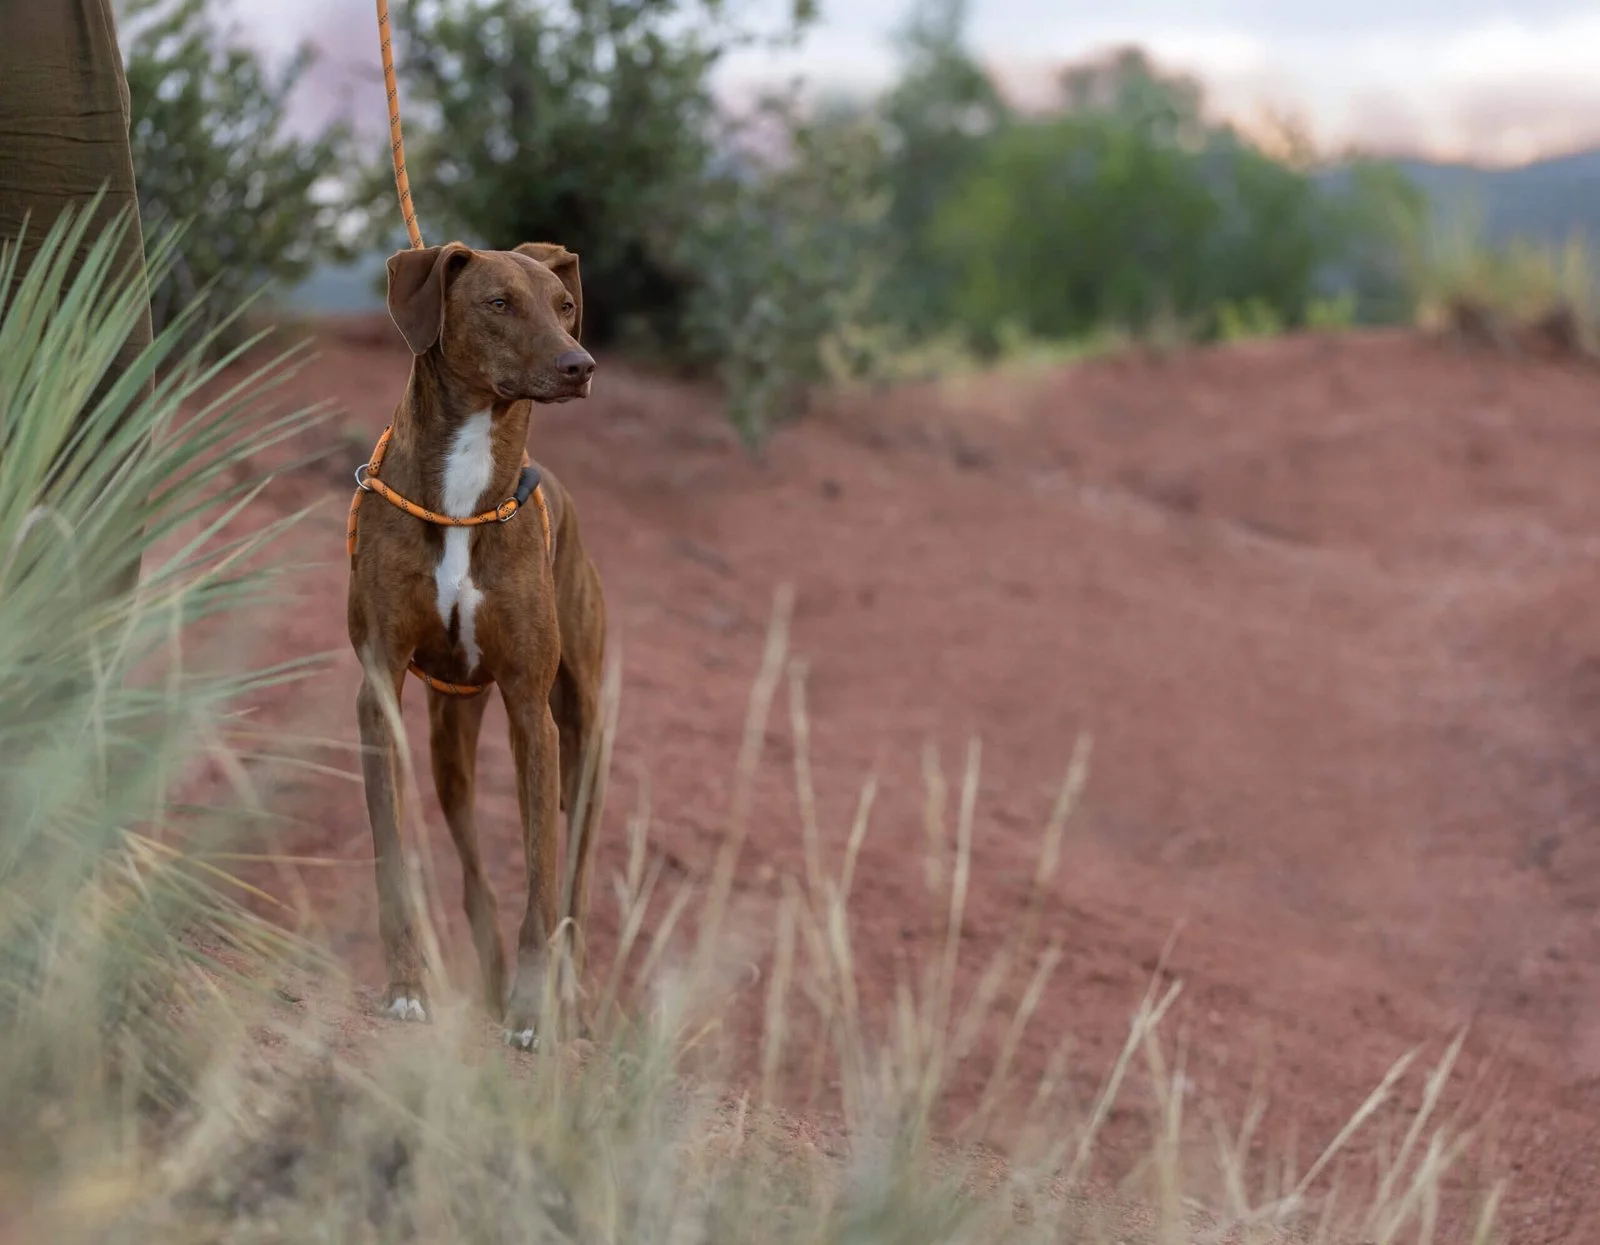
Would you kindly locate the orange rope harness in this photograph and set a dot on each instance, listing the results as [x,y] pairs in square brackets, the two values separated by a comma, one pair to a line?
[528,491]
[367,482]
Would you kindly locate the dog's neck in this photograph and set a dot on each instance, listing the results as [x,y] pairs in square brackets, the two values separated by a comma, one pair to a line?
[437,418]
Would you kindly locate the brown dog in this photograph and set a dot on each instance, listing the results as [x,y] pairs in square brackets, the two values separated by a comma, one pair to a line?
[463,600]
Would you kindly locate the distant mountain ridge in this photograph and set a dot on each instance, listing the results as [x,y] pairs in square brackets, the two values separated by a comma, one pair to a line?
[1544,200]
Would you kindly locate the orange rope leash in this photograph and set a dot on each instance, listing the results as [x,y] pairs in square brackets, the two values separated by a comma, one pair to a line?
[397,145]
[367,482]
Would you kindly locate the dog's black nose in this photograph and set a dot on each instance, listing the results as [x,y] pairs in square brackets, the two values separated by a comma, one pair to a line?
[575,365]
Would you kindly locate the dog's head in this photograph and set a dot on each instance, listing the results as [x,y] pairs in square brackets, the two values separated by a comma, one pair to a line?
[505,322]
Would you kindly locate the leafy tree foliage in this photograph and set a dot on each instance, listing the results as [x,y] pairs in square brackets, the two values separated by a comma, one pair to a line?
[212,148]
[587,123]
[1123,205]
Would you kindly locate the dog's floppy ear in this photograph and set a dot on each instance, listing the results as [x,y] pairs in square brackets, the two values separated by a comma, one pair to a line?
[564,264]
[417,280]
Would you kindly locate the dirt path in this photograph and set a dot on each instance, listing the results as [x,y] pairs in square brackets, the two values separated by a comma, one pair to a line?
[1325,606]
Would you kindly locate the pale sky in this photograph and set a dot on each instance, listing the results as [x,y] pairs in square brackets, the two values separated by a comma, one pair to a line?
[1482,79]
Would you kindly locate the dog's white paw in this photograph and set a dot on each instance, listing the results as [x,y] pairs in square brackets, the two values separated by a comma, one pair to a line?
[404,1008]
[523,1039]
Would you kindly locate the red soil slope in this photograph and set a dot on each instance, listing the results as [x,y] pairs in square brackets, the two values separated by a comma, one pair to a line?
[1326,607]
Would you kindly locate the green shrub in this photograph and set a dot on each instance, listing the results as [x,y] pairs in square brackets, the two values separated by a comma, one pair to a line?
[1255,317]
[788,268]
[584,123]
[936,121]
[1338,312]
[1070,224]
[1124,208]
[1382,219]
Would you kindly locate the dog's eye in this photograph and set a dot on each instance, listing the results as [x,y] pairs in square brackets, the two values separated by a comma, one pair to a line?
[499,304]
[568,307]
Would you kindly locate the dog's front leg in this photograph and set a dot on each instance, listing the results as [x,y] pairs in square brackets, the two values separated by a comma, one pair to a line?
[453,726]
[535,749]
[396,920]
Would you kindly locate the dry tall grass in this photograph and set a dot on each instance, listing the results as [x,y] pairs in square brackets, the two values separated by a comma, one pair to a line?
[1520,296]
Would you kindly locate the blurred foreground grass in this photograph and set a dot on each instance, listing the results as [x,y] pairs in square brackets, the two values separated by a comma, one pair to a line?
[156,1087]
[100,712]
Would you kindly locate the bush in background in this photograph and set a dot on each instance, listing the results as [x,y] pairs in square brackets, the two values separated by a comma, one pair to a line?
[212,151]
[787,262]
[587,123]
[1122,207]
[936,123]
[1384,217]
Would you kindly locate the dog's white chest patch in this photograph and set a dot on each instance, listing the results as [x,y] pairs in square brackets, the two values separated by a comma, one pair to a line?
[467,471]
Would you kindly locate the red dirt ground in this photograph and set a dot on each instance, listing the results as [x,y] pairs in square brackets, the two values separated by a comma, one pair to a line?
[1326,607]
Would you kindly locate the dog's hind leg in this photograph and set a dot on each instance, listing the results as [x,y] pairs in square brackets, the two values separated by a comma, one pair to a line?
[576,705]
[453,726]
[535,747]
[396,919]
